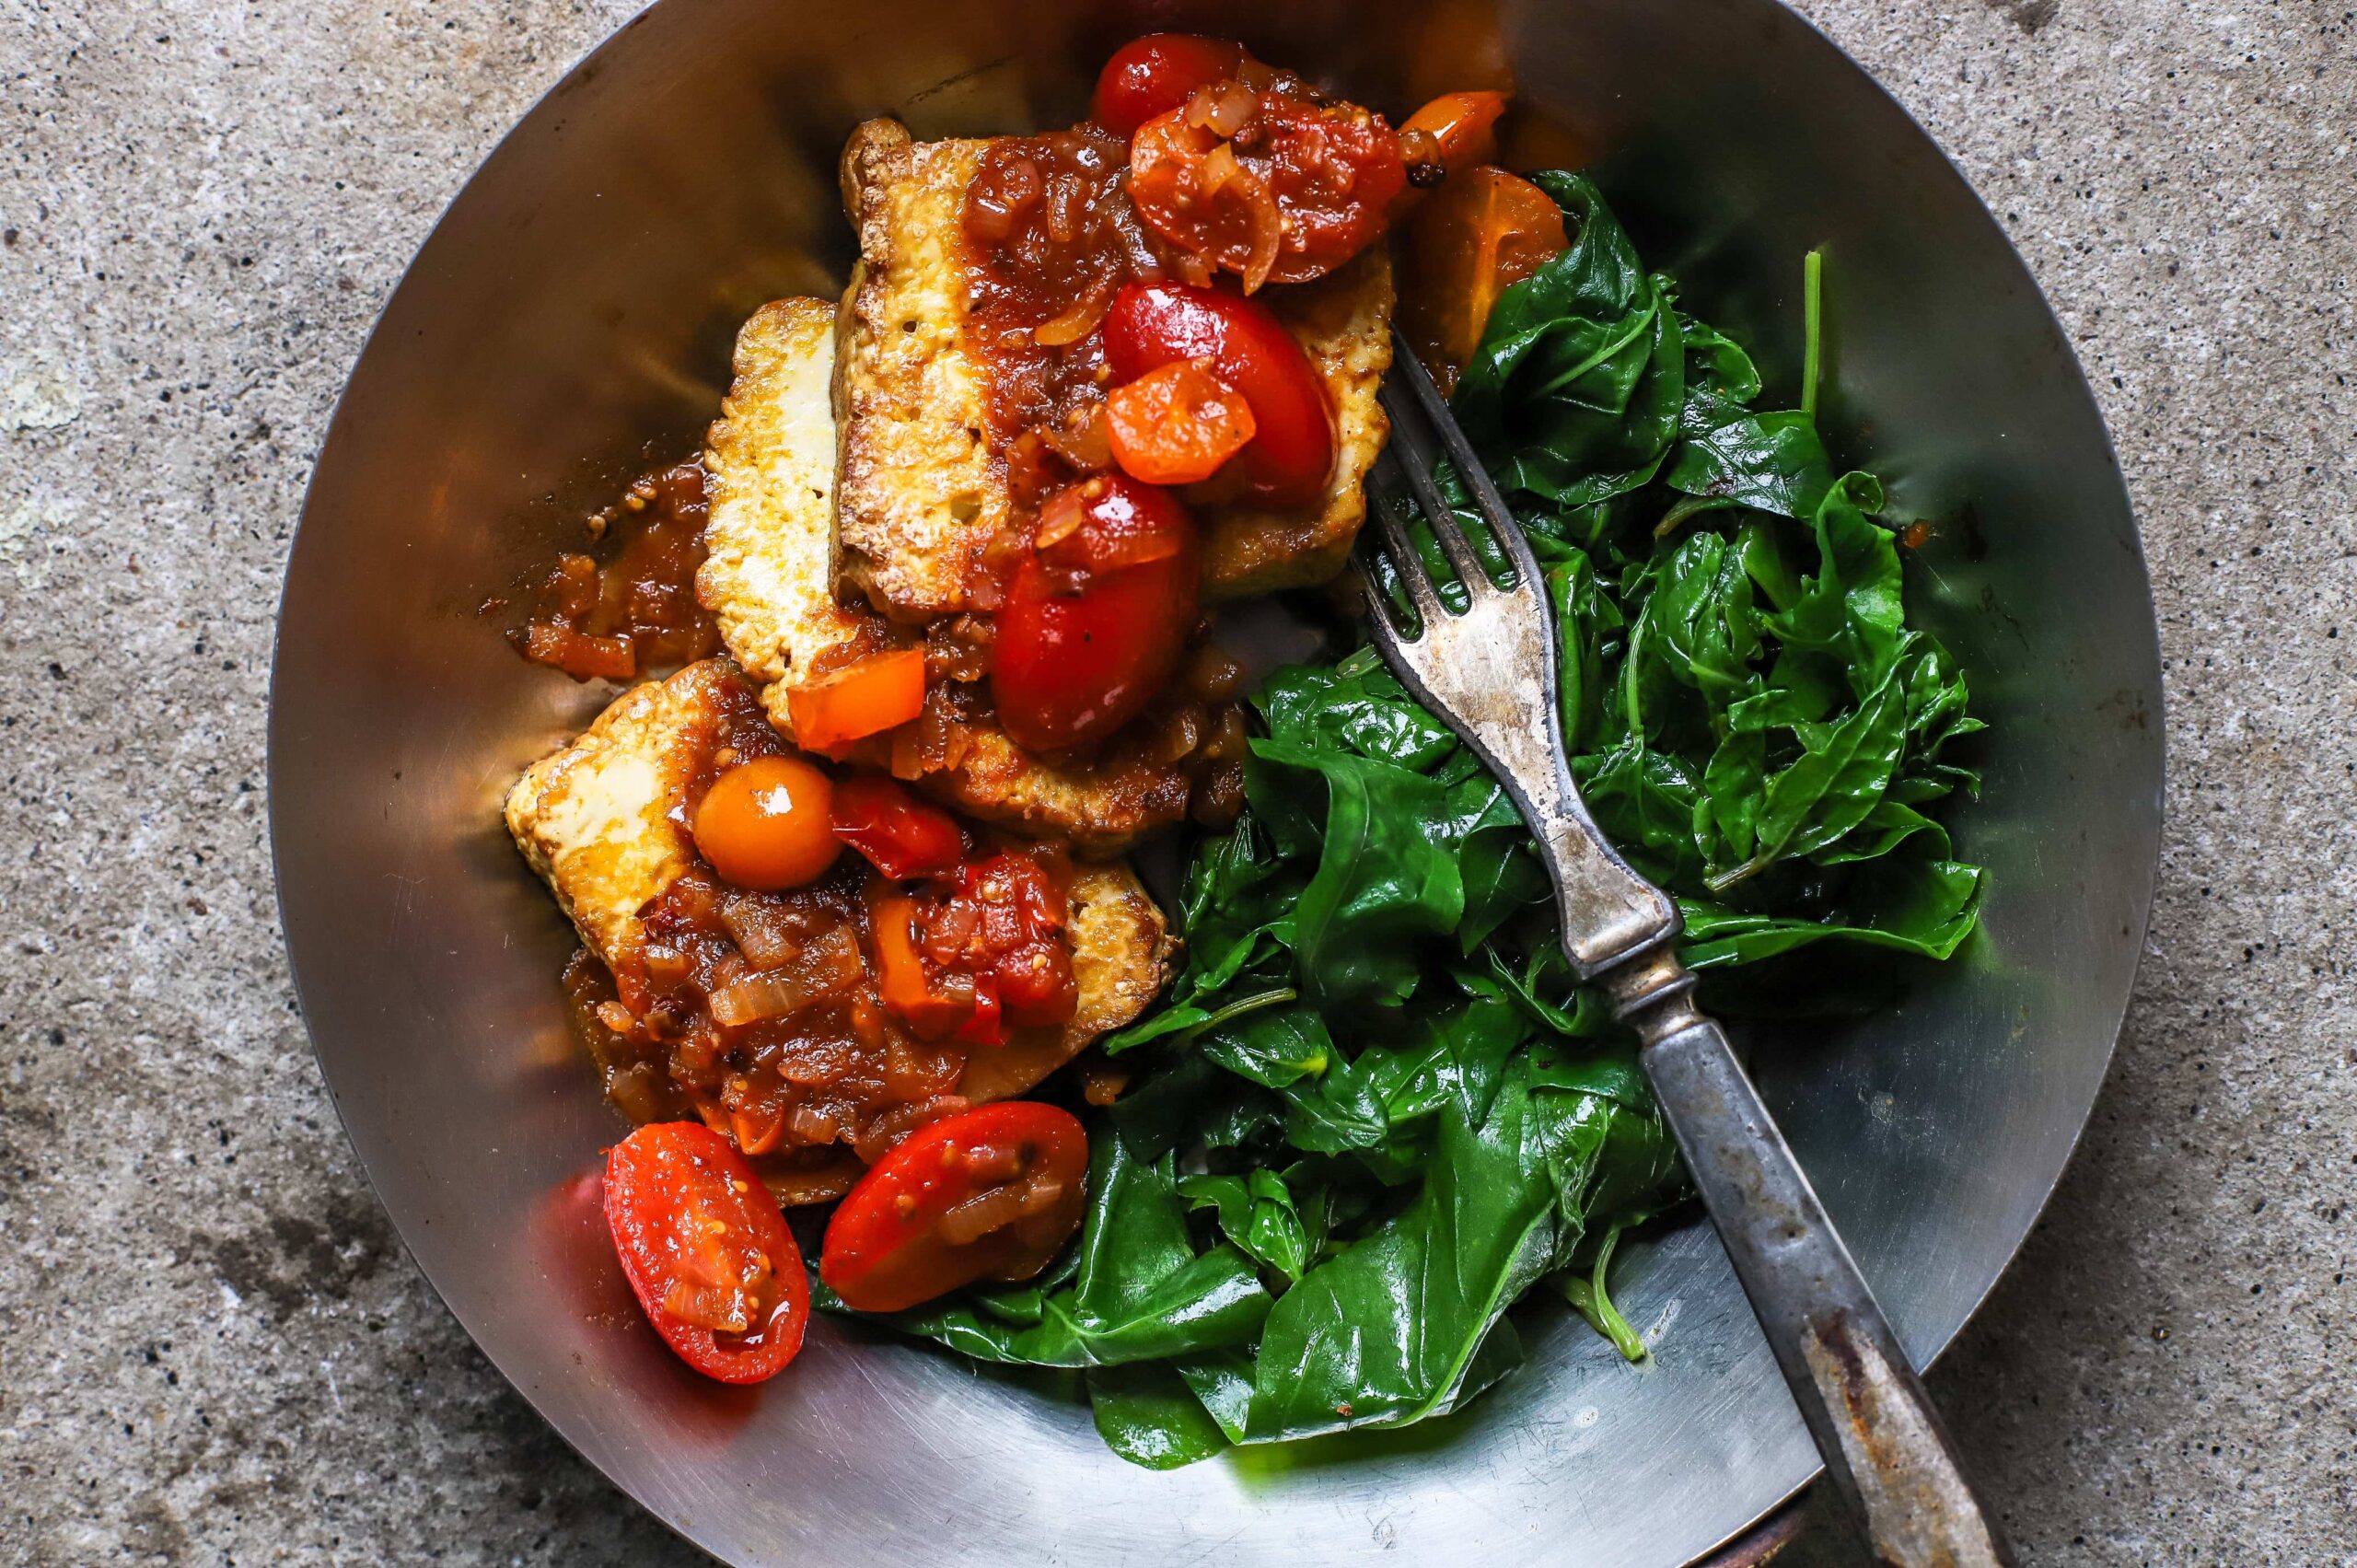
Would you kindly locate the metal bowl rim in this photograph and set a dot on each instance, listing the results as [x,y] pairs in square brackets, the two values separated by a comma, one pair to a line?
[573,74]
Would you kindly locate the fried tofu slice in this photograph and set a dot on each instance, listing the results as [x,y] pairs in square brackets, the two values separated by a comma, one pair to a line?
[594,819]
[768,575]
[601,821]
[768,579]
[919,493]
[1343,322]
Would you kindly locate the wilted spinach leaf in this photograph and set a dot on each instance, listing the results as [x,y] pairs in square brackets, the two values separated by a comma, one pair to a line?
[1395,1107]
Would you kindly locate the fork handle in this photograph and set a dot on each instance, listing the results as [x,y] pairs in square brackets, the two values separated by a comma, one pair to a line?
[1883,1442]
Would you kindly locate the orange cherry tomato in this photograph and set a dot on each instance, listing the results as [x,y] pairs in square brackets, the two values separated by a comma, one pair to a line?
[900,835]
[1081,649]
[1463,128]
[1156,74]
[1301,188]
[991,1193]
[1478,235]
[1176,424]
[768,824]
[878,692]
[706,1251]
[1290,456]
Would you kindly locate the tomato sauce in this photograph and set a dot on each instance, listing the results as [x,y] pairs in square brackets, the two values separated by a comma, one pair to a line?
[769,1015]
[1050,238]
[635,612]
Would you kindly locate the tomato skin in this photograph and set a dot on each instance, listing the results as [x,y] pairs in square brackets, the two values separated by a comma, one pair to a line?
[885,1250]
[768,824]
[1290,456]
[1479,235]
[1463,125]
[1154,75]
[902,985]
[1303,188]
[901,836]
[1176,424]
[664,1184]
[878,693]
[1075,661]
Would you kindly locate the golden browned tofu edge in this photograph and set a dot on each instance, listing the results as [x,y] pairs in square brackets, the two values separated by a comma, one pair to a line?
[768,577]
[593,818]
[767,580]
[918,490]
[919,494]
[1102,810]
[1343,322]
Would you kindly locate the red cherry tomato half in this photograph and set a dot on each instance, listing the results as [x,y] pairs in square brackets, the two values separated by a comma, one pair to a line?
[1302,188]
[1291,455]
[1080,652]
[706,1251]
[991,1193]
[1153,75]
[900,835]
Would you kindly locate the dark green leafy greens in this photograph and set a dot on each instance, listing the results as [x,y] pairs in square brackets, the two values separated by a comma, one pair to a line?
[1375,1108]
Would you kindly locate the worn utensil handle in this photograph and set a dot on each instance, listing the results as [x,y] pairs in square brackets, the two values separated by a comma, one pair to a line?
[1883,1442]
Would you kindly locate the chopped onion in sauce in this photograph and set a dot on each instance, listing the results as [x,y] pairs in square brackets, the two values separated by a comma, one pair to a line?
[828,964]
[766,932]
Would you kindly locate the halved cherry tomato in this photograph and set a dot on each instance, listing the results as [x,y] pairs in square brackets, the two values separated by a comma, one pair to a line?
[768,824]
[1301,189]
[1290,456]
[706,1251]
[1463,128]
[1478,235]
[900,835]
[1176,424]
[1154,75]
[1079,654]
[991,1193]
[878,692]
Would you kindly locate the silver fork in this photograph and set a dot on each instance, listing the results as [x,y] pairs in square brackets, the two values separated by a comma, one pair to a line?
[1489,670]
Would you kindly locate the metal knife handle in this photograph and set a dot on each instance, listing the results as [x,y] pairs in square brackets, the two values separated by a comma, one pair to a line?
[1883,1442]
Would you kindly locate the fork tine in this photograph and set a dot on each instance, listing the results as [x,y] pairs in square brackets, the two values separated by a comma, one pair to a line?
[1412,436]
[1385,490]
[1462,455]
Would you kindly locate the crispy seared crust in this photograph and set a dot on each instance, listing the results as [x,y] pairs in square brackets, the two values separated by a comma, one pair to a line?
[595,821]
[919,494]
[767,582]
[1102,810]
[1343,320]
[769,574]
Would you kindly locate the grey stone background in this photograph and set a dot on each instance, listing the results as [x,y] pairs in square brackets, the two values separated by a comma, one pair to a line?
[212,1348]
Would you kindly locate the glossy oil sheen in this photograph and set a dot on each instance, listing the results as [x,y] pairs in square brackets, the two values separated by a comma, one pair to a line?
[570,320]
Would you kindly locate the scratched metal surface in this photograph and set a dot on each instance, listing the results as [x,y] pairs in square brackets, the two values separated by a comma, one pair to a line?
[571,313]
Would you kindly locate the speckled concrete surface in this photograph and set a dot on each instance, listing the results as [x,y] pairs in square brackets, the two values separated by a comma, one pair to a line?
[210,1348]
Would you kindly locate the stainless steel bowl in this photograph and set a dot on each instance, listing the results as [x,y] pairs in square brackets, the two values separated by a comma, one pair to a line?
[570,319]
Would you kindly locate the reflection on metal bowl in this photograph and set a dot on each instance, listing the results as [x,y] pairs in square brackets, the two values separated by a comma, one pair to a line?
[569,319]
